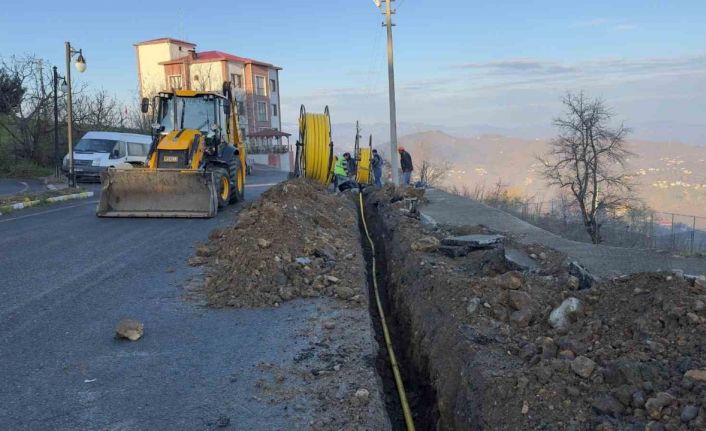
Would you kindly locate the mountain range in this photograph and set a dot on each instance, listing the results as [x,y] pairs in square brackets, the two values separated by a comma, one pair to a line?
[670,176]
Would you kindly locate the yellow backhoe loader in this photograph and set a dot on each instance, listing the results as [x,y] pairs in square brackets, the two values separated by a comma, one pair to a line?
[196,163]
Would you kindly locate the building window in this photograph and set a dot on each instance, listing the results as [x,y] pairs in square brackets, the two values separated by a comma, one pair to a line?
[243,136]
[273,86]
[260,88]
[241,108]
[237,80]
[175,82]
[274,110]
[261,111]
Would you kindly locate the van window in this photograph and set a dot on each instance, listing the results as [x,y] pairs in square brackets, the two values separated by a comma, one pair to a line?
[122,149]
[94,146]
[137,150]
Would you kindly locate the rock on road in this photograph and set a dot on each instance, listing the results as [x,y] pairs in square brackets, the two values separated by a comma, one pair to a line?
[67,278]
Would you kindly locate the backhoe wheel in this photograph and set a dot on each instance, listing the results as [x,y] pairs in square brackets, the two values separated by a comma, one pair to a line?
[238,180]
[223,187]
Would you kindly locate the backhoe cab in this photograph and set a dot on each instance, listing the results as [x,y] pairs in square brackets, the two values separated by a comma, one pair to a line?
[196,163]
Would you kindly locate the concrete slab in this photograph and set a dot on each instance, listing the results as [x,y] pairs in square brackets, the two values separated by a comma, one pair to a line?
[521,260]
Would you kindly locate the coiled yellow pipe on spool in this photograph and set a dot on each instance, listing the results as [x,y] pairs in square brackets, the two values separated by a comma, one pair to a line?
[315,148]
[364,156]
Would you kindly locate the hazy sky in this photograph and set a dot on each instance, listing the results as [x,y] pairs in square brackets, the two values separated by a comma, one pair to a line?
[459,62]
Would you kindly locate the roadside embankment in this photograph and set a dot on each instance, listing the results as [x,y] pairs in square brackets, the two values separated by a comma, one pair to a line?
[493,348]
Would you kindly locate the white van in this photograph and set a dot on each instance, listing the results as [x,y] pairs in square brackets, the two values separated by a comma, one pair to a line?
[98,151]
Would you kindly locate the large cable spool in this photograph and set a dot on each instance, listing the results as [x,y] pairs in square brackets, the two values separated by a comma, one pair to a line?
[315,147]
[365,159]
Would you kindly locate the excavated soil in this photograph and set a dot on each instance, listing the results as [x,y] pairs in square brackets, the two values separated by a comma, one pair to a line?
[476,335]
[297,241]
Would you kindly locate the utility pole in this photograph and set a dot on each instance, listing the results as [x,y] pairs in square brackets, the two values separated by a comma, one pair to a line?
[394,156]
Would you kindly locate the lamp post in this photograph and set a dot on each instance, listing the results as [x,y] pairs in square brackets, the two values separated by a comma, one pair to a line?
[57,159]
[80,66]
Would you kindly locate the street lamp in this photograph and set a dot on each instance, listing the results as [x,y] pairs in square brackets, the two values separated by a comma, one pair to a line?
[64,87]
[81,67]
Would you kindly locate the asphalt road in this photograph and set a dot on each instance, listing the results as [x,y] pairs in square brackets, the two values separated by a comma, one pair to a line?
[10,186]
[67,278]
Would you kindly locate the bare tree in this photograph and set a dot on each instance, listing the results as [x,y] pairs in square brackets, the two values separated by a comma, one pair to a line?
[588,159]
[26,123]
[203,79]
[26,103]
[433,173]
[97,111]
[138,121]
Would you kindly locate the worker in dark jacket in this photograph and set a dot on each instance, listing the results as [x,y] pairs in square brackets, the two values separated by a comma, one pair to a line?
[406,165]
[376,164]
[352,166]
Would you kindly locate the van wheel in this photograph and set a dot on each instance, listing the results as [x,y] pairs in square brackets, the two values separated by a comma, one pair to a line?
[223,187]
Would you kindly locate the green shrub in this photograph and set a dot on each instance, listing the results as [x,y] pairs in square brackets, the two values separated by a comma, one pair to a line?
[24,169]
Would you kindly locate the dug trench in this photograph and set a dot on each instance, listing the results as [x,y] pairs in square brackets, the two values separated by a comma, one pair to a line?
[419,393]
[485,346]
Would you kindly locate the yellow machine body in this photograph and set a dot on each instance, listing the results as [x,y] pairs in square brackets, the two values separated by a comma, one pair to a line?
[190,171]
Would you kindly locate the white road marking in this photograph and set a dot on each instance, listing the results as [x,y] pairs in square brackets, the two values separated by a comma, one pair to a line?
[261,185]
[47,211]
[25,185]
[95,202]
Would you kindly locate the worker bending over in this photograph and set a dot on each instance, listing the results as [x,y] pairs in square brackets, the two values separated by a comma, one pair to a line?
[341,171]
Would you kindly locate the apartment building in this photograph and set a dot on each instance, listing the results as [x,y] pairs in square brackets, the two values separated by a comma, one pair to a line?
[167,63]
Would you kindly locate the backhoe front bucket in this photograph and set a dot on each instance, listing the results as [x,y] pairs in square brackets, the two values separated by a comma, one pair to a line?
[157,193]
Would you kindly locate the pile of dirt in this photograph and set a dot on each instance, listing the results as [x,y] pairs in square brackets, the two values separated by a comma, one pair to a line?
[296,241]
[506,350]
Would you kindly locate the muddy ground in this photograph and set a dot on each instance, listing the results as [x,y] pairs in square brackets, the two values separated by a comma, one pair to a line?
[485,348]
[302,242]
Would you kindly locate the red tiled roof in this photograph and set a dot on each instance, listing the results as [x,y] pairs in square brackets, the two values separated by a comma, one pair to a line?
[165,39]
[207,56]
